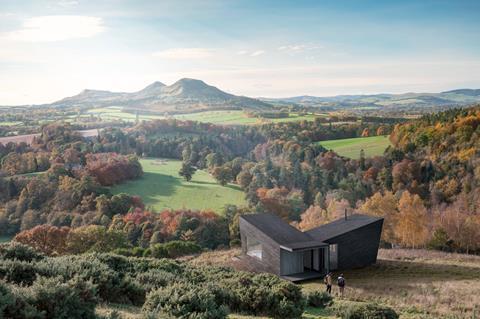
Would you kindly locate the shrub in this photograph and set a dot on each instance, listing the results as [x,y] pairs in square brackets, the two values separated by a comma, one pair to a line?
[54,298]
[235,243]
[14,250]
[320,299]
[361,310]
[172,249]
[112,286]
[18,272]
[185,301]
[6,298]
[155,278]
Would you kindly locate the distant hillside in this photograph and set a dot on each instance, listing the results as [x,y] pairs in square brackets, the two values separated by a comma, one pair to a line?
[185,95]
[452,98]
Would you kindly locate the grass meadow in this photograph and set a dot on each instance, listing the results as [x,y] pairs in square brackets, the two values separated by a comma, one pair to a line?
[351,147]
[161,187]
[221,117]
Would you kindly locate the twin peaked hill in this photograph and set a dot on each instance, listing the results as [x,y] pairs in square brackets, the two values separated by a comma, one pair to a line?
[185,95]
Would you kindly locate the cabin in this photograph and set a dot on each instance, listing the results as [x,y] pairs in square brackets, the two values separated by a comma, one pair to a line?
[272,245]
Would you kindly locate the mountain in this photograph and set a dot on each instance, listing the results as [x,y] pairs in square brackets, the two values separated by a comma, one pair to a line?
[460,97]
[185,95]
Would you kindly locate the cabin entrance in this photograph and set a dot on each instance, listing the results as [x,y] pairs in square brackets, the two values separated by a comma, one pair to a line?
[314,260]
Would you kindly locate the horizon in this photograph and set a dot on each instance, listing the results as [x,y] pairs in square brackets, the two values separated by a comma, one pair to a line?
[53,49]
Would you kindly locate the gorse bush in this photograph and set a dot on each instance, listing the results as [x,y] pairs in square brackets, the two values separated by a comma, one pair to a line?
[172,249]
[49,298]
[183,300]
[320,299]
[18,251]
[362,310]
[70,287]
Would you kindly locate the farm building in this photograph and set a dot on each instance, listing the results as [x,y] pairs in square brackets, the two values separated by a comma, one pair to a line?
[274,246]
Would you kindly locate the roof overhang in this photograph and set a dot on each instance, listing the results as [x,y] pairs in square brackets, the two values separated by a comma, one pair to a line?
[303,245]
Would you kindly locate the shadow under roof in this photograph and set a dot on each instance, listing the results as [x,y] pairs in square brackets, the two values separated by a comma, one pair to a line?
[341,226]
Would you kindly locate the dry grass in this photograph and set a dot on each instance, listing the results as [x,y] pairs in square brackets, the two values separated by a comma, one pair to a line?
[416,283]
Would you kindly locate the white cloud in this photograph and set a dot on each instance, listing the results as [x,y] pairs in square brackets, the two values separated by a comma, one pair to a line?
[184,53]
[242,52]
[257,53]
[55,28]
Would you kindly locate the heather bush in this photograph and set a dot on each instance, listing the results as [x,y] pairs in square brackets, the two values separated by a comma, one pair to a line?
[319,299]
[362,310]
[183,300]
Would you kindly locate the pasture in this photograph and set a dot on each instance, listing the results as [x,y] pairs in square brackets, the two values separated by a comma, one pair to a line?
[220,117]
[351,147]
[161,187]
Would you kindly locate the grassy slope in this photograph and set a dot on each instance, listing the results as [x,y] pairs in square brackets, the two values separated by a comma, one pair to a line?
[161,187]
[350,147]
[416,283]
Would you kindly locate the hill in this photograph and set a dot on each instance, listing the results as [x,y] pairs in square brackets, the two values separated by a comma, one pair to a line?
[460,97]
[183,96]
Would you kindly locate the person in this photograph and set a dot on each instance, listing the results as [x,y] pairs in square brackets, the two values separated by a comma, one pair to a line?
[328,282]
[341,284]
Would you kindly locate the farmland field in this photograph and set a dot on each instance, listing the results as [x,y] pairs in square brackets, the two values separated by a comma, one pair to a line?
[222,117]
[351,147]
[161,187]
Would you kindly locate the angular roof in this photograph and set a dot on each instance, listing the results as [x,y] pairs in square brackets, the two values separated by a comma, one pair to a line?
[277,229]
[341,226]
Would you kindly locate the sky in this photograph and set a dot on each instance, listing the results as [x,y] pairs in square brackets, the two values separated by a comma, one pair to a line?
[50,49]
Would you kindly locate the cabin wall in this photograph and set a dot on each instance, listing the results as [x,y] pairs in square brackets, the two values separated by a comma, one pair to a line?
[358,248]
[291,262]
[270,250]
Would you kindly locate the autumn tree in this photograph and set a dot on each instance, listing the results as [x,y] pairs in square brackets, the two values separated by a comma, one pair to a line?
[412,226]
[384,206]
[313,217]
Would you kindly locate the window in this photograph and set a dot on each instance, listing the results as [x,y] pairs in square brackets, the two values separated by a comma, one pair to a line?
[254,248]
[333,256]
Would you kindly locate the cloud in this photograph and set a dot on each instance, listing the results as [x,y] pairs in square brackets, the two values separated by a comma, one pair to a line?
[292,48]
[56,28]
[184,53]
[257,53]
[242,52]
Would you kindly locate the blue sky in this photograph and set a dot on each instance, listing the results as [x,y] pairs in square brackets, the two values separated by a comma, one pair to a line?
[55,48]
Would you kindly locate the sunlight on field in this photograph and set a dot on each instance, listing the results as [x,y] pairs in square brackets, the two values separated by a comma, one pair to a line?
[351,147]
[221,117]
[161,187]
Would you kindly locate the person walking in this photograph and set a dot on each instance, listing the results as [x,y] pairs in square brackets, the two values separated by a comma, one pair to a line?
[341,285]
[328,282]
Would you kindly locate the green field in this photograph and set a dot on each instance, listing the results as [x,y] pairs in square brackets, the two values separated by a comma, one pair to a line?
[161,187]
[350,147]
[233,117]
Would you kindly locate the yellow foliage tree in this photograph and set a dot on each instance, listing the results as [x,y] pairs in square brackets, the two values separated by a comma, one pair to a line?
[383,206]
[412,226]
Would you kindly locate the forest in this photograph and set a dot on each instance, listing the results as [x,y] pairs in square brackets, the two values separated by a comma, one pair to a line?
[425,186]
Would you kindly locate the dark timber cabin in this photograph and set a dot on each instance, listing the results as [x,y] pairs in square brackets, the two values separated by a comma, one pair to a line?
[274,246]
